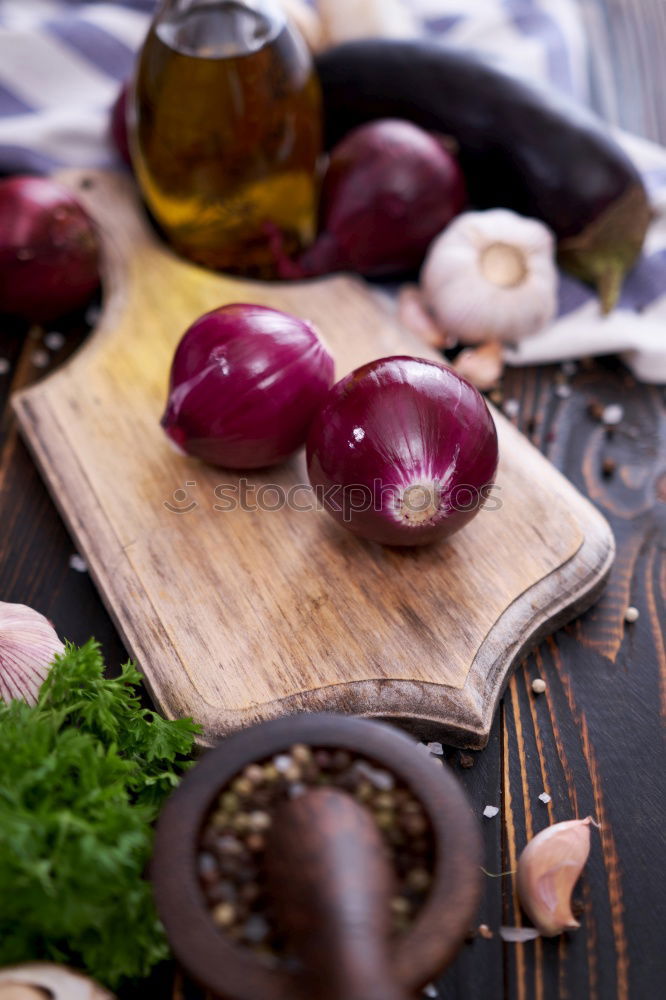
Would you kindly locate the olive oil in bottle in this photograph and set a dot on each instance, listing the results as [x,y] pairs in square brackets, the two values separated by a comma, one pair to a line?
[225,126]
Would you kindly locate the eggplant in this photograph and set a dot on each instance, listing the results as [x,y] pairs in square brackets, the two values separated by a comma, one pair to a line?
[520,146]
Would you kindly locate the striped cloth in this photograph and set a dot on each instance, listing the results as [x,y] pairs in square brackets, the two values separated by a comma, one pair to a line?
[61,63]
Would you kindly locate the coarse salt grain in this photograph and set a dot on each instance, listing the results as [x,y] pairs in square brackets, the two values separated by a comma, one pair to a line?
[511,407]
[436,748]
[430,991]
[54,340]
[631,615]
[4,366]
[78,563]
[612,415]
[563,391]
[544,797]
[518,934]
[538,685]
[490,811]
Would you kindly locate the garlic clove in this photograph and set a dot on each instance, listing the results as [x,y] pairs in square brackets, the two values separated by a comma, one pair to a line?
[548,869]
[414,316]
[482,366]
[46,979]
[28,645]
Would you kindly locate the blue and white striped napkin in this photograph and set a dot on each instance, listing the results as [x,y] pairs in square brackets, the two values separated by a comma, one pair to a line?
[62,61]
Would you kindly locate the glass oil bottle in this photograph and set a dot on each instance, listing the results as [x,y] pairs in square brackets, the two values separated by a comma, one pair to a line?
[225,129]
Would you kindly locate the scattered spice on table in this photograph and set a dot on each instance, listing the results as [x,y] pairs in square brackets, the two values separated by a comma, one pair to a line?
[41,359]
[608,467]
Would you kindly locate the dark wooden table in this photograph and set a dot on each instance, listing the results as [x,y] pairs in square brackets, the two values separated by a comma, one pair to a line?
[593,741]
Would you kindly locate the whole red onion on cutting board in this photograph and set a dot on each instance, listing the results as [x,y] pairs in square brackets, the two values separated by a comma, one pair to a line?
[403,451]
[245,384]
[49,253]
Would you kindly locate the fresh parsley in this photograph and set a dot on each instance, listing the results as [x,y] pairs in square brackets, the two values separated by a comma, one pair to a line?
[82,777]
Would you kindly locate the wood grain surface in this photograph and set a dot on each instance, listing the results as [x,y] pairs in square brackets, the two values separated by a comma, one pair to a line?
[235,616]
[594,740]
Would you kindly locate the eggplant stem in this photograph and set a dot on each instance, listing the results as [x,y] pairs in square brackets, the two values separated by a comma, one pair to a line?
[609,286]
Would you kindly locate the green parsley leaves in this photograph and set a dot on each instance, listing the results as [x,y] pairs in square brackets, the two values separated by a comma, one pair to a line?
[82,778]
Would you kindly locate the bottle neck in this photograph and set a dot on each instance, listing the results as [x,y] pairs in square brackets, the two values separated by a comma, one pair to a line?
[175,7]
[218,28]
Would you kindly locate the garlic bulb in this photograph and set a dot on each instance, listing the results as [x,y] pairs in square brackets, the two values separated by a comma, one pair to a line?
[42,979]
[491,276]
[346,20]
[307,21]
[28,645]
[548,869]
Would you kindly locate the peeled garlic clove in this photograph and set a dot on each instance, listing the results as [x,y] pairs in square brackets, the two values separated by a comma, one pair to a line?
[548,869]
[28,645]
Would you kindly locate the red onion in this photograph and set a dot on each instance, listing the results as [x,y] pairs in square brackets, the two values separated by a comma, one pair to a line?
[245,384]
[402,451]
[118,124]
[389,190]
[48,250]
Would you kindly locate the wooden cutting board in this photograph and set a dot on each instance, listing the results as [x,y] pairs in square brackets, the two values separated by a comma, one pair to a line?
[236,616]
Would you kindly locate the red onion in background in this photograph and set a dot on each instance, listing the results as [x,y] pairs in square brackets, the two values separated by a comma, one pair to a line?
[402,452]
[118,125]
[246,382]
[49,252]
[389,190]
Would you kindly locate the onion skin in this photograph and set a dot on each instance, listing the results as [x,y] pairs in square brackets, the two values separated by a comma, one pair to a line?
[389,190]
[49,254]
[396,425]
[245,384]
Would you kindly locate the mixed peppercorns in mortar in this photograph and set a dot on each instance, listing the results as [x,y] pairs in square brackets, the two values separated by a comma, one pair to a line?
[233,840]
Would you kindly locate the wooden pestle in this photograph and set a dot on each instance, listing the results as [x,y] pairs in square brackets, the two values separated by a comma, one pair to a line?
[332,884]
